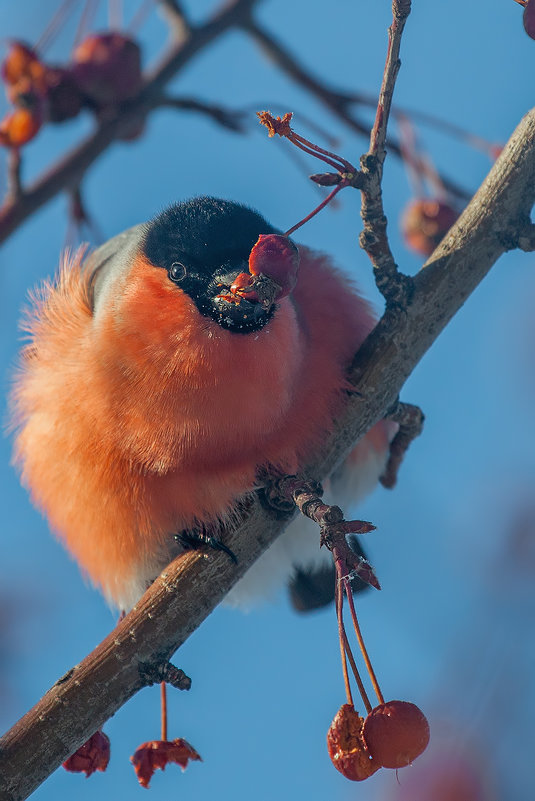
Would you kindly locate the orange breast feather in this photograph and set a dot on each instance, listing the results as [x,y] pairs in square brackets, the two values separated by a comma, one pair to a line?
[151,418]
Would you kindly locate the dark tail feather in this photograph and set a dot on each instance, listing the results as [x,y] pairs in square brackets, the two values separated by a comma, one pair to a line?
[313,588]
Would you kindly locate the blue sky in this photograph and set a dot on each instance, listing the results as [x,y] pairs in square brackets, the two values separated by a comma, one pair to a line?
[454,600]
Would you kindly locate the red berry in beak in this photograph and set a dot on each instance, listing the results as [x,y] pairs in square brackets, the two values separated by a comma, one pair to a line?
[278,259]
[243,286]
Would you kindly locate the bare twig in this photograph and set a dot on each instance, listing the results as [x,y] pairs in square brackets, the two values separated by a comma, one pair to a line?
[177,19]
[395,286]
[337,102]
[306,495]
[14,182]
[411,422]
[232,119]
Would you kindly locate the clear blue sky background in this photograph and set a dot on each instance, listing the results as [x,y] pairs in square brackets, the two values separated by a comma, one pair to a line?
[452,628]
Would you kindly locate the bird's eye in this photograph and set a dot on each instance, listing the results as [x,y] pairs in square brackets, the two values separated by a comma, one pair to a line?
[177,272]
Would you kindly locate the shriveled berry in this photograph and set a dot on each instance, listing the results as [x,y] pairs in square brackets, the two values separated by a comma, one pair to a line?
[64,100]
[19,127]
[425,222]
[396,733]
[91,756]
[346,746]
[529,18]
[107,68]
[21,62]
[276,257]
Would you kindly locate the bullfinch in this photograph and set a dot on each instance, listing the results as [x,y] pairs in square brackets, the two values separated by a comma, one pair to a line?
[160,377]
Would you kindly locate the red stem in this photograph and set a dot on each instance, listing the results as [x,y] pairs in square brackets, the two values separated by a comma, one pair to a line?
[344,642]
[321,206]
[343,639]
[163,699]
[360,639]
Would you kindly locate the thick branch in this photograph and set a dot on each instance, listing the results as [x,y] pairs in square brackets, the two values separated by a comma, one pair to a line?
[190,588]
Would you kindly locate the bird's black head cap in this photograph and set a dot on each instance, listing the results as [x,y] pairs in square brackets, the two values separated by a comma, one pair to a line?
[204,244]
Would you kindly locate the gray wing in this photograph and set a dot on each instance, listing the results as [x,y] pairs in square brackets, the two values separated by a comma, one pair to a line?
[109,264]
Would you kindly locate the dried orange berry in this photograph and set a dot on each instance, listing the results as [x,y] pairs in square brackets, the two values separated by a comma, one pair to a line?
[396,733]
[19,127]
[425,222]
[347,747]
[21,62]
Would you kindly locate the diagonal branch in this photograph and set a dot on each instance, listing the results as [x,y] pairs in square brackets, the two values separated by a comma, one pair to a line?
[190,588]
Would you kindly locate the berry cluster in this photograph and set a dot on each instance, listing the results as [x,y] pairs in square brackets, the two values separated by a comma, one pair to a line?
[104,71]
[391,736]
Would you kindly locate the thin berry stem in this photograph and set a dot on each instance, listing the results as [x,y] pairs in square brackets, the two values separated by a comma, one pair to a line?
[344,643]
[333,159]
[360,639]
[321,206]
[354,668]
[343,639]
[163,699]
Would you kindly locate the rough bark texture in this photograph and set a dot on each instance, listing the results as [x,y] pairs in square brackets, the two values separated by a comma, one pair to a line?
[189,589]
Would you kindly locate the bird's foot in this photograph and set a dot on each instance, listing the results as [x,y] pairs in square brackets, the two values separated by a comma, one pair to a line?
[194,538]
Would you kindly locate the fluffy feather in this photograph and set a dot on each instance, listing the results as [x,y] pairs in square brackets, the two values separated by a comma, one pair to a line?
[141,417]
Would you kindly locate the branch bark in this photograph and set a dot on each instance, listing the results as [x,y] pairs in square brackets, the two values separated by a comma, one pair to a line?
[190,588]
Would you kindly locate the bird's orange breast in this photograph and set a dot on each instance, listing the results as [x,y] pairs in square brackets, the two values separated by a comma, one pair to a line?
[150,417]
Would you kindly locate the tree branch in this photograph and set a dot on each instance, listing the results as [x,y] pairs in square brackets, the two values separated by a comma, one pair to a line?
[192,586]
[394,286]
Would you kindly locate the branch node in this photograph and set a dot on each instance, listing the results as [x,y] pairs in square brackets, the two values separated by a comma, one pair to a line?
[411,421]
[526,238]
[157,672]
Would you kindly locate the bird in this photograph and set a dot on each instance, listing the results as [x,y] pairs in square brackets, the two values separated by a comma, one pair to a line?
[159,378]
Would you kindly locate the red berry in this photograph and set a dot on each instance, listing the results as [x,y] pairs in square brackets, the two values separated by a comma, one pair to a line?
[425,222]
[19,127]
[396,733]
[107,68]
[64,100]
[276,257]
[529,18]
[346,746]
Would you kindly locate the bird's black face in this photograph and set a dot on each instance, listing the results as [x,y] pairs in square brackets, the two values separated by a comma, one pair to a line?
[204,244]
